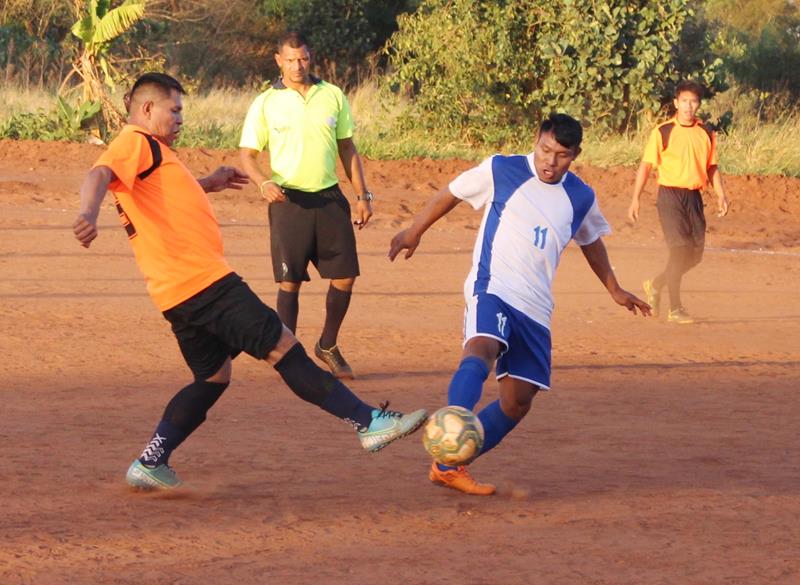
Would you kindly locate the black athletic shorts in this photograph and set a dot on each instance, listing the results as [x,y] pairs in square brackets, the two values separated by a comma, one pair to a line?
[682,218]
[223,320]
[315,227]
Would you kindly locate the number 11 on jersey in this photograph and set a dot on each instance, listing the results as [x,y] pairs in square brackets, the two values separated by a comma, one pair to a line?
[540,236]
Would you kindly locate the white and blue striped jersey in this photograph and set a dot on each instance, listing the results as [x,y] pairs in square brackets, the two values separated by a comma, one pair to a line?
[526,226]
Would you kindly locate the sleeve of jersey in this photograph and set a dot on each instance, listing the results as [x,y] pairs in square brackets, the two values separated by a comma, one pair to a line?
[345,126]
[127,155]
[594,226]
[475,186]
[255,131]
[652,150]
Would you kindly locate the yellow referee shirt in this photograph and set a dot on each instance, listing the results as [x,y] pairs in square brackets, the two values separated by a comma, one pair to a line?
[301,133]
[682,155]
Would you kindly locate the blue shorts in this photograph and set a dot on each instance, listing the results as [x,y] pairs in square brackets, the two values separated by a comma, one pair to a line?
[527,343]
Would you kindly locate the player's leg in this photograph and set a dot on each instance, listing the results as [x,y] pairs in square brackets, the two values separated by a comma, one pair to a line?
[477,358]
[501,416]
[336,258]
[337,302]
[291,232]
[288,304]
[485,336]
[245,323]
[210,361]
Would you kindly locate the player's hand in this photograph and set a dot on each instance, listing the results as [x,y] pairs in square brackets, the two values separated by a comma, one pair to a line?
[362,213]
[271,192]
[406,240]
[631,302]
[633,211]
[722,206]
[225,178]
[85,230]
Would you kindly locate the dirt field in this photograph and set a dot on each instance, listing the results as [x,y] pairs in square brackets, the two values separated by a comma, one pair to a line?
[664,454]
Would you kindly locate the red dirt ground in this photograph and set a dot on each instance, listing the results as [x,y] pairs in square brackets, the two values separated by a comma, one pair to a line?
[664,454]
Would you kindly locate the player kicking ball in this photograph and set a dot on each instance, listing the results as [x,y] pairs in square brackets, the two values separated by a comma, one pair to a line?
[214,315]
[533,207]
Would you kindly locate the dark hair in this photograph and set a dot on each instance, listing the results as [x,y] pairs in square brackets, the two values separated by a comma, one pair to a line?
[165,83]
[294,39]
[566,129]
[691,87]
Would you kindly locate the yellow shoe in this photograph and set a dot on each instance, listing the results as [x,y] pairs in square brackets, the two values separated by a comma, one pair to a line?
[679,316]
[460,479]
[653,296]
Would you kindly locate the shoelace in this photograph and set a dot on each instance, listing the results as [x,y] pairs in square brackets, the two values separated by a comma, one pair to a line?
[387,413]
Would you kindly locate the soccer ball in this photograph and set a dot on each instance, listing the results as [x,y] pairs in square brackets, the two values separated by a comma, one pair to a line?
[453,436]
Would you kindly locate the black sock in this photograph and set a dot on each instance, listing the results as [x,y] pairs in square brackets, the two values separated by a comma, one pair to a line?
[336,304]
[288,306]
[319,387]
[164,441]
[184,413]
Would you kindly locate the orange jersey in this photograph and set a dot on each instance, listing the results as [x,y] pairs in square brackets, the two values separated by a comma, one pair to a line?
[175,237]
[682,155]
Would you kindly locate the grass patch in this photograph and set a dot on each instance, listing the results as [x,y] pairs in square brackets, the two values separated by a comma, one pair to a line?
[760,141]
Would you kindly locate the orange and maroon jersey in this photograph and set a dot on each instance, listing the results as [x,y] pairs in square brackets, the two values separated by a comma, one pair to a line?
[682,155]
[173,231]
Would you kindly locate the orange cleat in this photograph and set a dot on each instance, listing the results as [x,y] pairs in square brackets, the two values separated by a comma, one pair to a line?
[460,479]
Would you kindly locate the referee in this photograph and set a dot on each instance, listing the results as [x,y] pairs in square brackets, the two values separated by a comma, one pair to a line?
[684,152]
[304,123]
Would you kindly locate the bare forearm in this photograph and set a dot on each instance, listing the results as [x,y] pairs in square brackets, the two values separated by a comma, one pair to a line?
[642,174]
[597,257]
[716,181]
[250,165]
[353,167]
[93,191]
[440,205]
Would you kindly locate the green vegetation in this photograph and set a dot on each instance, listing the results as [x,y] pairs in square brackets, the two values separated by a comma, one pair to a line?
[433,78]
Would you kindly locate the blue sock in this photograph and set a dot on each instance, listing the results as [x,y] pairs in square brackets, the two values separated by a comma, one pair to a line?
[466,384]
[343,403]
[496,425]
[165,440]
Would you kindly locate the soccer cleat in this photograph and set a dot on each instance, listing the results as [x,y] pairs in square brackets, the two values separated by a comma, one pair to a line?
[460,479]
[335,361]
[389,425]
[162,477]
[653,296]
[679,316]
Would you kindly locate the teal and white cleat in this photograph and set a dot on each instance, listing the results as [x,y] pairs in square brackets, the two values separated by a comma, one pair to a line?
[389,425]
[142,477]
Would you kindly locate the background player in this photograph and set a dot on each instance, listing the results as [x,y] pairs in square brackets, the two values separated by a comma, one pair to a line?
[214,315]
[305,123]
[684,152]
[534,206]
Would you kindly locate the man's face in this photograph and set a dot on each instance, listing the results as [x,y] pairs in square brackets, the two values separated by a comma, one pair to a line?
[294,63]
[552,159]
[686,106]
[165,117]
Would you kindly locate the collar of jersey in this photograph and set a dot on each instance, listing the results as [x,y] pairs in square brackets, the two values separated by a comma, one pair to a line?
[278,83]
[695,122]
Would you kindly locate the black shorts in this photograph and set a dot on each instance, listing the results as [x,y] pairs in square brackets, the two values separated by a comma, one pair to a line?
[223,320]
[682,218]
[313,227]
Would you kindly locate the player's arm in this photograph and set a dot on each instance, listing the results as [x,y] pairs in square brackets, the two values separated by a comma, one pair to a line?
[270,190]
[638,186]
[716,181]
[597,257]
[93,191]
[224,178]
[351,161]
[408,239]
